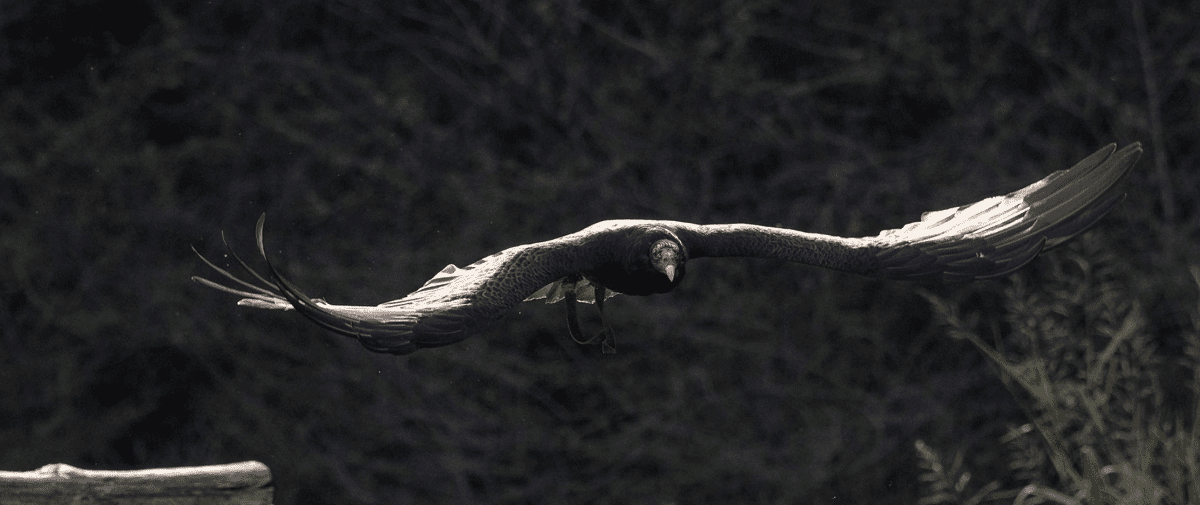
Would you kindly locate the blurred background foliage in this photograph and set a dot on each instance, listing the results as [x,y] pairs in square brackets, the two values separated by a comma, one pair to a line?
[387,139]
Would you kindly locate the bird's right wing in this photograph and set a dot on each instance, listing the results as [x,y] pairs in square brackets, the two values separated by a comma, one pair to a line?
[453,305]
[988,238]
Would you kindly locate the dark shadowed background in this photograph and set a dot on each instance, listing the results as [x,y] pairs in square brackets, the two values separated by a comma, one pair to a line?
[386,139]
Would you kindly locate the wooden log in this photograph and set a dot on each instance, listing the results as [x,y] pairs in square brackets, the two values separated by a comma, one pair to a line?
[245,483]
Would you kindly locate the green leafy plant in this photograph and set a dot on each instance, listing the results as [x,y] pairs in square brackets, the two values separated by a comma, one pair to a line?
[1076,353]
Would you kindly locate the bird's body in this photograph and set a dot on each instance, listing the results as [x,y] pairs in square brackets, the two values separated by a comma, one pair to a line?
[989,238]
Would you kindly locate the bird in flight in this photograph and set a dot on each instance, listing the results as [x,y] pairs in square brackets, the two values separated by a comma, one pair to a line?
[989,238]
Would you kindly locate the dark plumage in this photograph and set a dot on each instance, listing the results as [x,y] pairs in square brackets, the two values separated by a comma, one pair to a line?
[985,239]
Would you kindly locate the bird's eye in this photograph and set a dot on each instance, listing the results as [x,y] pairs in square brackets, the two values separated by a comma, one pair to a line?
[664,251]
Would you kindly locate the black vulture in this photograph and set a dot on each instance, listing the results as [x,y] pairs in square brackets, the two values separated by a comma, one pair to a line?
[989,238]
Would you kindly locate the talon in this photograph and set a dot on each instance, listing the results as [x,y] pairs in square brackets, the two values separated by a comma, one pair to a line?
[608,343]
[572,316]
[605,336]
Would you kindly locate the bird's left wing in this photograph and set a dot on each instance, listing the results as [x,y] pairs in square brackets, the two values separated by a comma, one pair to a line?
[988,238]
[453,305]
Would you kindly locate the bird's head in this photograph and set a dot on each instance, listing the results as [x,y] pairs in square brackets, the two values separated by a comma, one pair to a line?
[653,260]
[667,257]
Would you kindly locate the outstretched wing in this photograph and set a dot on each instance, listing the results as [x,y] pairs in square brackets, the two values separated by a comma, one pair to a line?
[453,305]
[989,238]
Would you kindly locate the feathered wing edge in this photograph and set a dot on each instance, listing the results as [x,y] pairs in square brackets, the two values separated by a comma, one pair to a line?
[400,326]
[999,235]
[380,329]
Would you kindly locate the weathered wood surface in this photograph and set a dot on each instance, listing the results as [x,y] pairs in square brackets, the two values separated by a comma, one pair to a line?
[245,483]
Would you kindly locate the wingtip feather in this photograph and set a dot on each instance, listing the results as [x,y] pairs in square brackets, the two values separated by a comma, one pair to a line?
[997,235]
